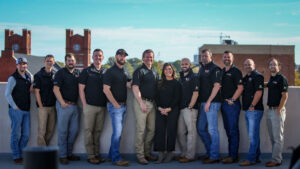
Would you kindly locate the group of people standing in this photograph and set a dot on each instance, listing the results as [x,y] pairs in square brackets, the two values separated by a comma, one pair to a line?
[165,108]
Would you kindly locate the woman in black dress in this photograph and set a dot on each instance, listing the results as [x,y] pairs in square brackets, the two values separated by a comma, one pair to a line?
[168,95]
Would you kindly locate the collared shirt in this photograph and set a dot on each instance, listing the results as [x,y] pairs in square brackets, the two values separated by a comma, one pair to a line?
[117,78]
[209,74]
[67,83]
[276,85]
[252,83]
[189,85]
[44,81]
[230,81]
[146,79]
[93,81]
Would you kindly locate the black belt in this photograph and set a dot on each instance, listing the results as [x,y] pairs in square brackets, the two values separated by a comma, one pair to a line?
[273,107]
[69,102]
[150,100]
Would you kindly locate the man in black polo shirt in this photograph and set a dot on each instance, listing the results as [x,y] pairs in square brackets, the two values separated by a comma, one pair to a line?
[45,101]
[94,105]
[66,92]
[115,83]
[187,131]
[210,76]
[231,90]
[252,100]
[277,97]
[144,87]
[17,94]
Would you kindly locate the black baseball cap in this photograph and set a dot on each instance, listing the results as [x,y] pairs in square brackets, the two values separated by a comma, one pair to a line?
[121,52]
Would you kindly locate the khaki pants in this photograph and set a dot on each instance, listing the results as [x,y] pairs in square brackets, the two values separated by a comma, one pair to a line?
[93,123]
[144,121]
[187,132]
[46,124]
[275,123]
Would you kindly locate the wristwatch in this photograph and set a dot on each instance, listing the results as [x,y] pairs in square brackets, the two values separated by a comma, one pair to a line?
[251,105]
[190,108]
[231,99]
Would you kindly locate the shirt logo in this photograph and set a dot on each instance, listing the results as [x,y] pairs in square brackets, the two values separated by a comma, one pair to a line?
[250,79]
[274,82]
[187,79]
[228,74]
[206,71]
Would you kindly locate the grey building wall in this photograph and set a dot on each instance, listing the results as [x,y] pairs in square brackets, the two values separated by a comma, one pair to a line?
[292,136]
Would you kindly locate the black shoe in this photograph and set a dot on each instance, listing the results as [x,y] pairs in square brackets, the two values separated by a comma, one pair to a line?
[18,161]
[73,158]
[64,161]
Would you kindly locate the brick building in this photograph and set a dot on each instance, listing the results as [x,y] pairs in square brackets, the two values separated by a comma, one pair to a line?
[260,54]
[80,46]
[18,46]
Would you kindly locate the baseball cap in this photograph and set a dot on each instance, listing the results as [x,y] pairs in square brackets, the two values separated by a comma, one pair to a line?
[121,51]
[21,60]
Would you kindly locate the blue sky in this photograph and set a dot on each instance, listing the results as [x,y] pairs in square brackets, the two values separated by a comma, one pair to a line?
[172,28]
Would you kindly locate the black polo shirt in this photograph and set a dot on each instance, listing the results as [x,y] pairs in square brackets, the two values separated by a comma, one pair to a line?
[93,81]
[230,81]
[252,83]
[209,74]
[117,78]
[44,81]
[276,85]
[189,85]
[146,79]
[68,84]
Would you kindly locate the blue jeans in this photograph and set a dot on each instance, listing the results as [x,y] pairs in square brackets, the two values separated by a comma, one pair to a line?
[207,127]
[20,131]
[117,116]
[231,114]
[253,119]
[68,124]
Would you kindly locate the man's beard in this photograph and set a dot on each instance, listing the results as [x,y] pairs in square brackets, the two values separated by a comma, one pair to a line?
[121,63]
[70,66]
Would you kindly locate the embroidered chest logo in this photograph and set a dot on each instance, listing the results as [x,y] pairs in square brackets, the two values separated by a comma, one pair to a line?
[250,79]
[206,71]
[275,82]
[187,79]
[228,74]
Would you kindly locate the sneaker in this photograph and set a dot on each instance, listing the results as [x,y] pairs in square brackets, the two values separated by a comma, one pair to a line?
[142,161]
[247,163]
[18,161]
[73,158]
[93,161]
[122,163]
[64,161]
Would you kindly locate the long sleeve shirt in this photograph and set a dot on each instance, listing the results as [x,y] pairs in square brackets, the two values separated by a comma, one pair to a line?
[11,83]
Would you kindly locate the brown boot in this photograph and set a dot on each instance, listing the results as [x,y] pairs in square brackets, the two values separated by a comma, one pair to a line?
[122,163]
[210,161]
[101,160]
[151,158]
[247,163]
[203,157]
[186,160]
[177,158]
[272,164]
[229,160]
[73,158]
[93,161]
[18,161]
[64,161]
[142,161]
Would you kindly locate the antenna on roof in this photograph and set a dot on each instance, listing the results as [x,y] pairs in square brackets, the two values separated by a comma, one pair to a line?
[222,37]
